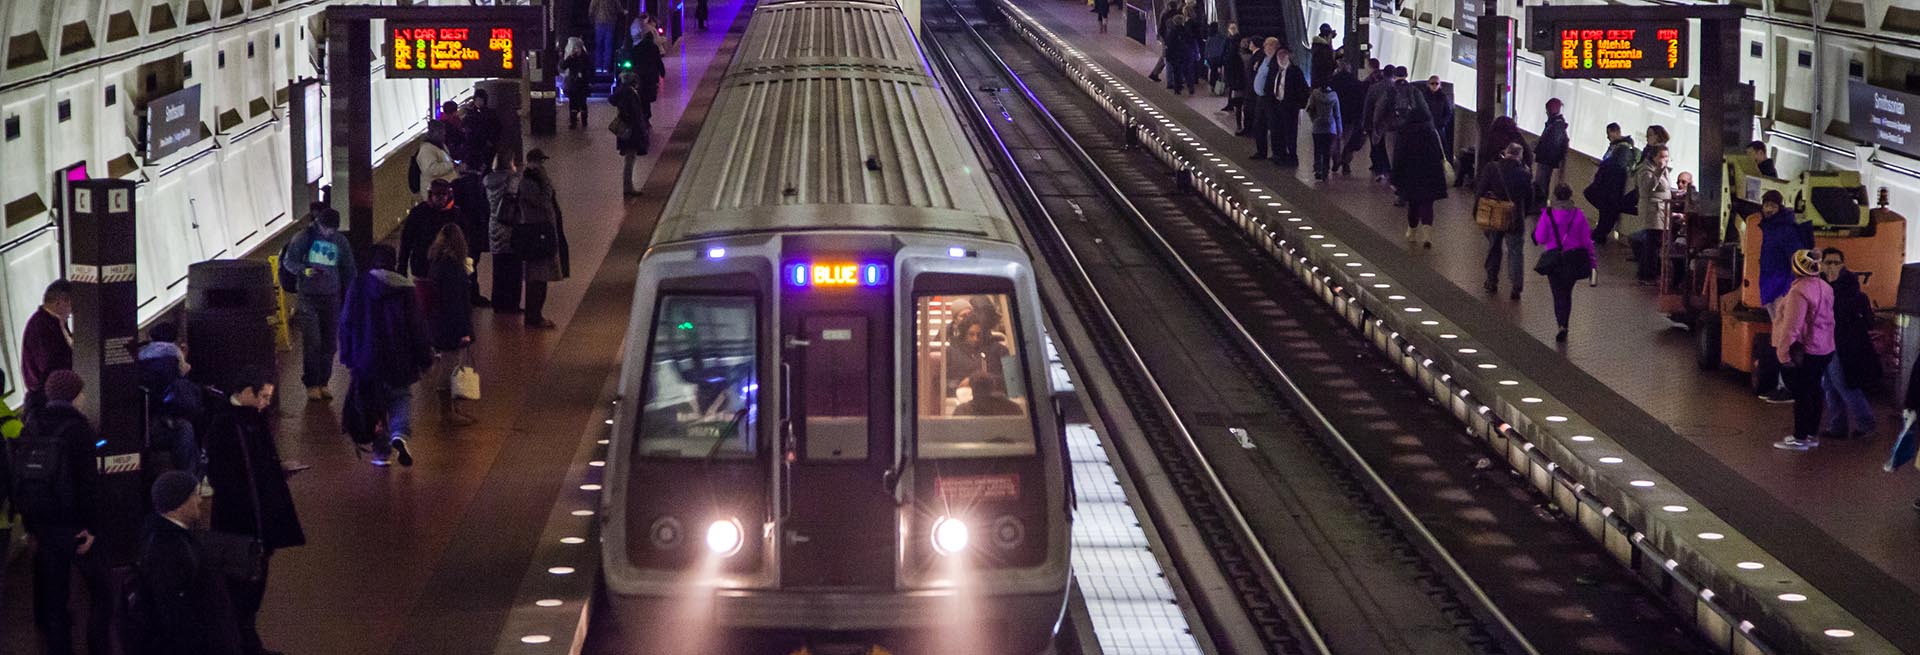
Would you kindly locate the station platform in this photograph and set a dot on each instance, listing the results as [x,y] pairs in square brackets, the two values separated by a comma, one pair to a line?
[1830,516]
[429,559]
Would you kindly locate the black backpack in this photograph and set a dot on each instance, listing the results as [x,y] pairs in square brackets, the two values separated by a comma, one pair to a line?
[289,279]
[413,171]
[42,485]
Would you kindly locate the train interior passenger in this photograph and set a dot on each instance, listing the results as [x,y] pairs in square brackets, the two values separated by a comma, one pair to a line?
[702,363]
[971,397]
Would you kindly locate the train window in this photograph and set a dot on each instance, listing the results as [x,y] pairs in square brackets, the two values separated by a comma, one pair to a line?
[971,392]
[702,379]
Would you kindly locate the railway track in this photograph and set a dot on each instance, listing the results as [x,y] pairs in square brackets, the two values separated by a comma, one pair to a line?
[1333,509]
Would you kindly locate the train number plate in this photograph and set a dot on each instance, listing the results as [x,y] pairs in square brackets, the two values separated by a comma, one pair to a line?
[973,488]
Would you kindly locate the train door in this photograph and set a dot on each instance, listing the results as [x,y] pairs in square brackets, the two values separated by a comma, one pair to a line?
[838,435]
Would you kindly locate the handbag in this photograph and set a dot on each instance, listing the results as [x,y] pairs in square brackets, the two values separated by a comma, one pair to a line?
[618,126]
[1494,215]
[465,382]
[1557,261]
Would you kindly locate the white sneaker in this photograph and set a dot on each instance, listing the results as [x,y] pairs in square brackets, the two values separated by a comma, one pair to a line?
[1797,444]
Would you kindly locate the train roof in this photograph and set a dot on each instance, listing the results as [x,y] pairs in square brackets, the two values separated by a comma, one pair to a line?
[830,119]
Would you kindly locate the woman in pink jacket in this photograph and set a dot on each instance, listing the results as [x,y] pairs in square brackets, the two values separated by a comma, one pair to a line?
[1564,227]
[1803,340]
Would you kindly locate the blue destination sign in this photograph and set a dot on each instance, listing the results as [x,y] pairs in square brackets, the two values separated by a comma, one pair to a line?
[173,122]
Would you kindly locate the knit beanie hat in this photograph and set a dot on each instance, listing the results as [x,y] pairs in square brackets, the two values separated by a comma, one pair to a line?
[64,386]
[172,490]
[1806,262]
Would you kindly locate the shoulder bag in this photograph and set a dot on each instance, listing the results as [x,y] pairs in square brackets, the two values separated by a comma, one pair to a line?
[1556,261]
[1492,214]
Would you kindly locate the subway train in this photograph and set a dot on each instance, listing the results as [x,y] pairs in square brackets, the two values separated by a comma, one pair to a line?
[834,432]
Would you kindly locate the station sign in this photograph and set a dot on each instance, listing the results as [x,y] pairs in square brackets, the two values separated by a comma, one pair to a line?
[1592,48]
[1883,117]
[444,49]
[173,122]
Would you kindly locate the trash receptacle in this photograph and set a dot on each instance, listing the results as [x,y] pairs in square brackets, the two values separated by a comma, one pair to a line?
[230,309]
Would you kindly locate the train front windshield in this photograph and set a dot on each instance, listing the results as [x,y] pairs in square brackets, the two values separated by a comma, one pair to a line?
[971,389]
[702,379]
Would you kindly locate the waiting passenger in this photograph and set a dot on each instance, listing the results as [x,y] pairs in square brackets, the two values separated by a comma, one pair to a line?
[449,316]
[1656,192]
[1607,191]
[424,221]
[185,596]
[989,399]
[431,162]
[251,496]
[1855,367]
[46,345]
[1781,235]
[976,352]
[1803,342]
[1419,176]
[1323,107]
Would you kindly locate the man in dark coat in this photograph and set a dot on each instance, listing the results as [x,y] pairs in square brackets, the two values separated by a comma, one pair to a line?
[482,126]
[1856,366]
[470,199]
[1607,192]
[185,600]
[250,489]
[1550,153]
[1320,54]
[1440,106]
[1291,94]
[60,505]
[1353,108]
[422,223]
[385,344]
[47,345]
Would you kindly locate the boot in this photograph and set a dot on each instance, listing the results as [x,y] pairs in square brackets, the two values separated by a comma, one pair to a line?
[1412,233]
[1425,235]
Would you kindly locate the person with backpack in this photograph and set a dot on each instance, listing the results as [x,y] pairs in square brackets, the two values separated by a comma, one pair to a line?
[1563,228]
[173,403]
[55,487]
[1323,108]
[1398,101]
[1506,180]
[1550,153]
[431,161]
[179,602]
[317,266]
[46,345]
[422,223]
[385,345]
[540,238]
[250,493]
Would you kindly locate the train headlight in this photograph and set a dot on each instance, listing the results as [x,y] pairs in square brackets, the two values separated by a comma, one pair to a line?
[724,537]
[950,536]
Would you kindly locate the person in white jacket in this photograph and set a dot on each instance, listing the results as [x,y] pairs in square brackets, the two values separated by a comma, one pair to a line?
[433,160]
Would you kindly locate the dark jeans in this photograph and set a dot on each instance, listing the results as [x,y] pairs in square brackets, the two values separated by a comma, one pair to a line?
[603,45]
[1377,153]
[247,597]
[473,279]
[1608,219]
[318,318]
[1419,212]
[536,301]
[1509,244]
[506,282]
[1322,153]
[54,561]
[1809,401]
[1646,253]
[1562,297]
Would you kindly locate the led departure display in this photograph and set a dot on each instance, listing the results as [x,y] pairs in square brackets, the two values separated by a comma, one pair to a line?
[835,274]
[451,50]
[1631,49]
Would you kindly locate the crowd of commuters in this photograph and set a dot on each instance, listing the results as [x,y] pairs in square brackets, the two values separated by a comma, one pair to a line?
[1823,360]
